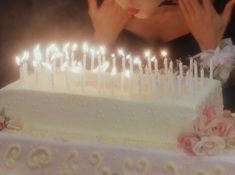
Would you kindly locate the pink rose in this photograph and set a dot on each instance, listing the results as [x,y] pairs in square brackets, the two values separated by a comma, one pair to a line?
[2,123]
[187,141]
[221,126]
[209,112]
[209,145]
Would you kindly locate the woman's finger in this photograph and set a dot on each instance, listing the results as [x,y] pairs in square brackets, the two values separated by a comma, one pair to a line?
[188,7]
[93,6]
[183,9]
[228,10]
[195,6]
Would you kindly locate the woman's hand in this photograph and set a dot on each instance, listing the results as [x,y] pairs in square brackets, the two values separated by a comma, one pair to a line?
[108,20]
[206,25]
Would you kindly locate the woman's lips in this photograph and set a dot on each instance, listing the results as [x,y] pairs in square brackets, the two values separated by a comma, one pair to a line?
[133,11]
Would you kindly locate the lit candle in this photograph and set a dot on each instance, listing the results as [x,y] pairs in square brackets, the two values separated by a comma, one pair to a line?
[85,49]
[66,51]
[92,52]
[25,59]
[48,67]
[165,66]
[113,73]
[18,62]
[202,78]
[211,69]
[181,70]
[171,67]
[37,62]
[122,54]
[154,59]
[195,71]
[74,49]
[129,57]
[103,51]
[138,62]
[148,57]
[128,76]
[191,66]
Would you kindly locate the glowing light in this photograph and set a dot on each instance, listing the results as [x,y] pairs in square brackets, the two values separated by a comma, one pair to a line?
[147,53]
[17,60]
[121,52]
[164,53]
[153,59]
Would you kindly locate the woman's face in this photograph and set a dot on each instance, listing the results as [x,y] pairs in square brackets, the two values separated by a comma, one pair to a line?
[144,7]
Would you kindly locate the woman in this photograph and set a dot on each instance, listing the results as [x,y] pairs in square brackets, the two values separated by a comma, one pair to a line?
[185,28]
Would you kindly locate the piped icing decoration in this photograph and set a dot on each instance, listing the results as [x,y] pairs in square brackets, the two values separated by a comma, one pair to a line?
[13,154]
[9,123]
[212,133]
[142,167]
[39,157]
[70,164]
[172,168]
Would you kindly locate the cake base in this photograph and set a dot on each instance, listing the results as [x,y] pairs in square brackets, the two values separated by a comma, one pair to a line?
[22,154]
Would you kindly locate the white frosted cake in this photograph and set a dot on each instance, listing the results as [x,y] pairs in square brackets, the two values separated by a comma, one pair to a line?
[108,123]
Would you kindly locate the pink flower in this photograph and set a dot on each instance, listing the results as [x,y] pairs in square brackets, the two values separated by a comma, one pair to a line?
[187,141]
[209,124]
[221,126]
[209,112]
[2,122]
[209,145]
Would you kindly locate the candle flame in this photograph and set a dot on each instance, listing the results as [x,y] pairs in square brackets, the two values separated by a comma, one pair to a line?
[17,60]
[147,53]
[164,53]
[51,50]
[137,60]
[153,58]
[121,52]
[74,47]
[37,54]
[25,56]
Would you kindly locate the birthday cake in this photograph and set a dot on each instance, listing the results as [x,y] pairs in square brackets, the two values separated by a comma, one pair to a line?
[71,120]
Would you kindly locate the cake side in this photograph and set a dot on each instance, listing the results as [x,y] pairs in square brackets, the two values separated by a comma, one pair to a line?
[144,121]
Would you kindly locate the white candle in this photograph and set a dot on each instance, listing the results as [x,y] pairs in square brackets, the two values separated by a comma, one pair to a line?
[154,59]
[191,65]
[113,74]
[122,54]
[211,69]
[171,67]
[148,57]
[165,65]
[74,49]
[85,51]
[137,61]
[92,52]
[202,78]
[128,76]
[195,71]
[103,51]
[129,57]
[66,51]
[181,70]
